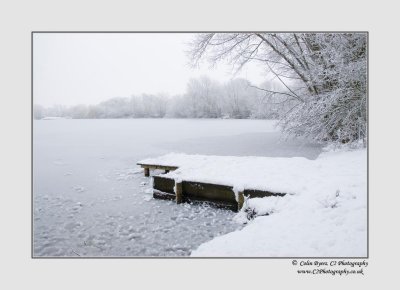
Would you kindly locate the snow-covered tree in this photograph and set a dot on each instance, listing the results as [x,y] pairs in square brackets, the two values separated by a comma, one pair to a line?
[38,112]
[114,108]
[238,98]
[323,76]
[203,98]
[78,112]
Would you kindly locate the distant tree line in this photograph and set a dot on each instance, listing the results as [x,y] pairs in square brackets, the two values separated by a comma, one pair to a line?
[204,98]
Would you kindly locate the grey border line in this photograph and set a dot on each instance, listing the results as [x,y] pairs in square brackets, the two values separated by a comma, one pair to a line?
[151,257]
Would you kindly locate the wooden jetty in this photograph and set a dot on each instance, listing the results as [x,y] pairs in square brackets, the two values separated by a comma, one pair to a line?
[219,195]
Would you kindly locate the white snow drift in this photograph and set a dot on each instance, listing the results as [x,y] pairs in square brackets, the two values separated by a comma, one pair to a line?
[324,213]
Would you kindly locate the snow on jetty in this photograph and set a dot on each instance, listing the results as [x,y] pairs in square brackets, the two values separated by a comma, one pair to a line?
[296,175]
[323,214]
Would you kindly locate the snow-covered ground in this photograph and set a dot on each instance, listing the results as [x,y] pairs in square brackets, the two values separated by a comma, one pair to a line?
[90,198]
[324,213]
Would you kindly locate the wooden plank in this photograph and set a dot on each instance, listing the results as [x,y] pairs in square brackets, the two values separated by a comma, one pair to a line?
[252,193]
[208,191]
[240,200]
[178,192]
[155,166]
[215,194]
[163,195]
[164,184]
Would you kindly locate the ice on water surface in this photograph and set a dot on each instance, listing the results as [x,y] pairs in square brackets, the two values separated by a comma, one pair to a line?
[90,198]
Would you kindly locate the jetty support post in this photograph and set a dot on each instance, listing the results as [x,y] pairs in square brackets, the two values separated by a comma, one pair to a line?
[240,200]
[147,171]
[178,192]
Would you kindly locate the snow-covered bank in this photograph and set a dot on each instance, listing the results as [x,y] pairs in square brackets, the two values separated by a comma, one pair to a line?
[325,217]
[324,213]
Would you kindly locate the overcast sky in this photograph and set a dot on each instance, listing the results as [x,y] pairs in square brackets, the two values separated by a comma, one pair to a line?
[80,68]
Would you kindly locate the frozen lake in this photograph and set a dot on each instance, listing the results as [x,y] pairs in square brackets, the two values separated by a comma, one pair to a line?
[90,198]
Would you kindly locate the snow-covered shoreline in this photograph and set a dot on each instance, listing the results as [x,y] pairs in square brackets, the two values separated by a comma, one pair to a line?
[326,217]
[324,213]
